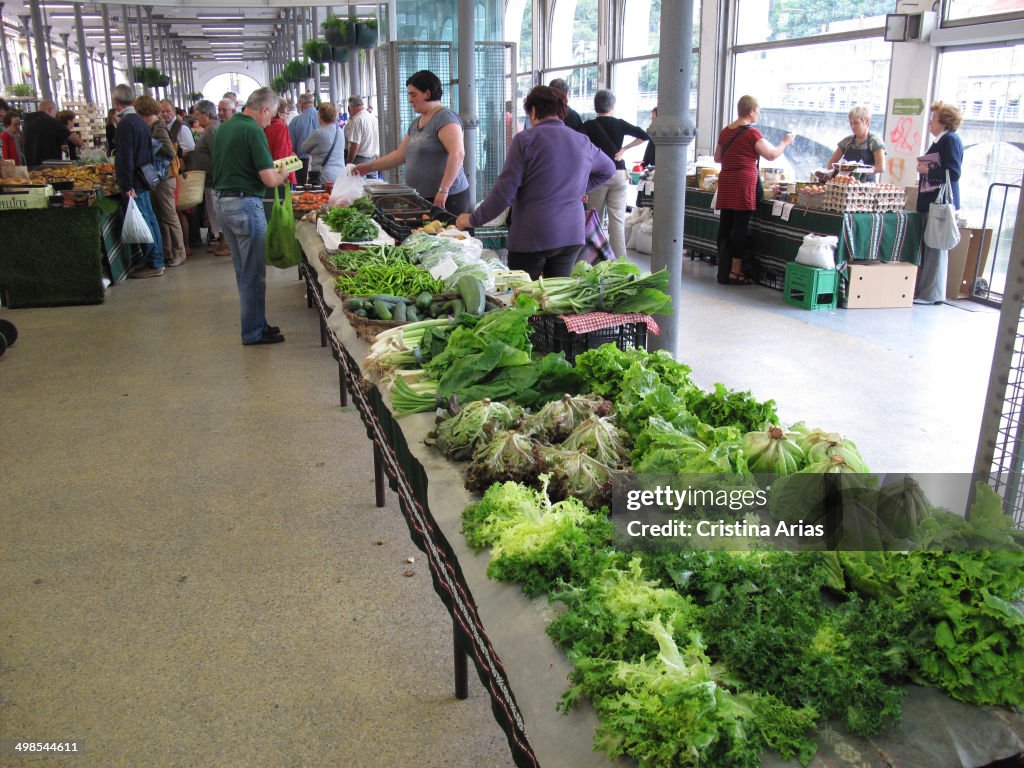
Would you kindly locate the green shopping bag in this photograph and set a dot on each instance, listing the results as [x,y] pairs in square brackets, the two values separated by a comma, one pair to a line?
[283,250]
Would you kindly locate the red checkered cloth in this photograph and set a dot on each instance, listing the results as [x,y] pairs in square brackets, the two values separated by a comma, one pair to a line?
[595,321]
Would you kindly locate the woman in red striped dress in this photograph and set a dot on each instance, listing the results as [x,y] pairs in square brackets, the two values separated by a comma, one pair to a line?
[739,146]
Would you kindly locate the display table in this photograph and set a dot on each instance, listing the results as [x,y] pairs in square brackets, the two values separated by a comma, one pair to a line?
[51,257]
[503,632]
[890,236]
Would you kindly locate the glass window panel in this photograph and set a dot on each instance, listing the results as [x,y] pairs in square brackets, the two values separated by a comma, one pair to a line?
[582,82]
[971,9]
[809,90]
[636,94]
[573,32]
[641,27]
[987,86]
[758,21]
[519,27]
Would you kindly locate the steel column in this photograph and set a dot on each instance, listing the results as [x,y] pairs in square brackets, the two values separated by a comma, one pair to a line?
[126,22]
[68,86]
[142,46]
[42,68]
[467,90]
[108,48]
[672,132]
[5,57]
[83,55]
[314,15]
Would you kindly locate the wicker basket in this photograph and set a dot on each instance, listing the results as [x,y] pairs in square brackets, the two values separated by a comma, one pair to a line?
[367,329]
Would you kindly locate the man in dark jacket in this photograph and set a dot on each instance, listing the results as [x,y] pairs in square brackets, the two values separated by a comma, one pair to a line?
[45,134]
[572,117]
[135,149]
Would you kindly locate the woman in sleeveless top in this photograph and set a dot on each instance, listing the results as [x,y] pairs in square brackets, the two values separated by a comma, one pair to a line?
[739,147]
[432,149]
[863,146]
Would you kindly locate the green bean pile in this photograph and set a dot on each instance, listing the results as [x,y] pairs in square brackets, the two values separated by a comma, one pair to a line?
[396,279]
[351,260]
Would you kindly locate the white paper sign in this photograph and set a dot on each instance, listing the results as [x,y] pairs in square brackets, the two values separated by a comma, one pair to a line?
[787,208]
[777,208]
[444,270]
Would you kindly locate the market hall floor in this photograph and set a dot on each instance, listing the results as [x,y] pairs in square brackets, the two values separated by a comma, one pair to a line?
[192,567]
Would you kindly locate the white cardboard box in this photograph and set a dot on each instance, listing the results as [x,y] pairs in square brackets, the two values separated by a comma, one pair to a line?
[880,284]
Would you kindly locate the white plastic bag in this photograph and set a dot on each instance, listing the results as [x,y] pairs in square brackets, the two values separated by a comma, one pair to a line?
[348,187]
[135,229]
[941,231]
[818,251]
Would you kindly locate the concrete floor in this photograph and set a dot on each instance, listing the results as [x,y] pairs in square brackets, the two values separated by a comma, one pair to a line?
[192,568]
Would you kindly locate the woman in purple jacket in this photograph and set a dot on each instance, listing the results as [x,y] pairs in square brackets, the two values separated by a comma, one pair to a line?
[548,170]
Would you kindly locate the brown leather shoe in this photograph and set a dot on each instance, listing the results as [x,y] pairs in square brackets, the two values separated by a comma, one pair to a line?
[176,261]
[223,251]
[146,272]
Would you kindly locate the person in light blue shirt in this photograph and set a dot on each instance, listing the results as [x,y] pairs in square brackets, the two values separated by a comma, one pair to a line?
[299,129]
[325,145]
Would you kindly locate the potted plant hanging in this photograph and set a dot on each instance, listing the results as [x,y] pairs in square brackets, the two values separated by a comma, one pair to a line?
[338,31]
[139,74]
[297,71]
[279,84]
[195,96]
[339,55]
[318,51]
[163,81]
[366,33]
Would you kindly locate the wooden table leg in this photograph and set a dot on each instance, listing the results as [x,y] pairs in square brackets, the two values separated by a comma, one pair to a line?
[461,668]
[378,476]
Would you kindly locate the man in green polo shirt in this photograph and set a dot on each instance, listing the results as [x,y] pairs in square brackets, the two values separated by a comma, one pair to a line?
[242,170]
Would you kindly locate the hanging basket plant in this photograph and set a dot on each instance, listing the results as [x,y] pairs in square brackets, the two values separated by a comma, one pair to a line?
[366,33]
[195,96]
[339,55]
[162,81]
[21,89]
[279,84]
[317,51]
[338,31]
[297,71]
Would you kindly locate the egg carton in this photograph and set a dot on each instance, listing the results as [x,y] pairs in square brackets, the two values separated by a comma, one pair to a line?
[810,200]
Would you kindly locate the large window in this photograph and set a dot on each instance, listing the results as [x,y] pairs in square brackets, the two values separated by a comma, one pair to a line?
[809,90]
[573,32]
[987,86]
[519,28]
[758,20]
[635,76]
[979,9]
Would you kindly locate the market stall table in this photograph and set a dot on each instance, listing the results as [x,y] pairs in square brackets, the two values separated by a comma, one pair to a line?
[774,241]
[503,631]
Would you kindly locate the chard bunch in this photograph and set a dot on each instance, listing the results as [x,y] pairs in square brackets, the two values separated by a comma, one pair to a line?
[772,451]
[575,473]
[458,437]
[507,455]
[405,346]
[611,286]
[599,438]
[556,420]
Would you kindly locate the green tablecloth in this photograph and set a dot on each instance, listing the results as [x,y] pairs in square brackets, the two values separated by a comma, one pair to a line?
[891,236]
[51,257]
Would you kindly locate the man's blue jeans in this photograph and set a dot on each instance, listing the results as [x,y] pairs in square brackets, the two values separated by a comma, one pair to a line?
[152,253]
[244,224]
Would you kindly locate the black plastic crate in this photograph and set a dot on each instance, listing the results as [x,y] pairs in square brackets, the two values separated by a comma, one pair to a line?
[551,335]
[400,222]
[771,279]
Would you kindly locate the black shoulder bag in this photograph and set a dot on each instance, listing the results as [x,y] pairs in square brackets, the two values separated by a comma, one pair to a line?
[759,192]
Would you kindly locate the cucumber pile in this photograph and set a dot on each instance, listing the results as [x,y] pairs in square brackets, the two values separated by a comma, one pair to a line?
[471,298]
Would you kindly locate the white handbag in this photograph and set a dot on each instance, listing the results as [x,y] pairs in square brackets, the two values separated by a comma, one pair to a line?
[941,231]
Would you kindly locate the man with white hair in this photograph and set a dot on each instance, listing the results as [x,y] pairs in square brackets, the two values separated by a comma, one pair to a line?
[242,171]
[362,141]
[135,149]
[299,129]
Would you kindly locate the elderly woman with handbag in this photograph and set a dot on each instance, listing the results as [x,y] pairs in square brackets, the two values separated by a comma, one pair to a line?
[940,181]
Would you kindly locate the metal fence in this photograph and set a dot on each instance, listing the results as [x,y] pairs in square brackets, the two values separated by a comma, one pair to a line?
[395,62]
[1000,457]
[498,110]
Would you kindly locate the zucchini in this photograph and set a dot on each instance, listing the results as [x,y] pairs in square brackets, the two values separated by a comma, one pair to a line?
[423,301]
[361,312]
[456,307]
[471,291]
[387,297]
[400,312]
[412,314]
[382,309]
[354,304]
